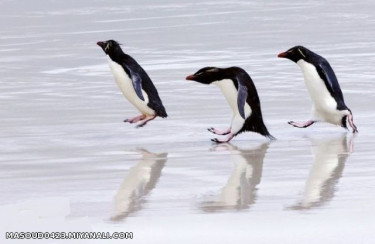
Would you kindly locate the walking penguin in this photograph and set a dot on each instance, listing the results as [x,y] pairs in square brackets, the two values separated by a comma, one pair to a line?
[323,87]
[134,84]
[241,95]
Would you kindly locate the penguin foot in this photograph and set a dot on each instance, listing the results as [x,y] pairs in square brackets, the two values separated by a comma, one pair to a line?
[351,123]
[135,119]
[218,141]
[145,121]
[218,132]
[302,125]
[227,139]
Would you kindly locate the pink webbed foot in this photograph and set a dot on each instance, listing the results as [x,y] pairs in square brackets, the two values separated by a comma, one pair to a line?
[227,139]
[302,125]
[135,119]
[218,132]
[145,121]
[351,123]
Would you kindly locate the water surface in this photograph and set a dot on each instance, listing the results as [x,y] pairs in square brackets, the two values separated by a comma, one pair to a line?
[69,162]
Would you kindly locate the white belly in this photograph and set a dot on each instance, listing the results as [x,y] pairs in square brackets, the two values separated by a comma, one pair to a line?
[126,86]
[324,105]
[230,93]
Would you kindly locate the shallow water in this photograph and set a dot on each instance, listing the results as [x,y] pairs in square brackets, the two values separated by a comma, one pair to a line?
[66,152]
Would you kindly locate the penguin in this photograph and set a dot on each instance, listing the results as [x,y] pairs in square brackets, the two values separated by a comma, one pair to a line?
[134,83]
[323,87]
[241,95]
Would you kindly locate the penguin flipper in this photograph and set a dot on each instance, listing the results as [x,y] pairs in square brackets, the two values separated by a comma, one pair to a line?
[241,99]
[137,84]
[327,74]
[148,87]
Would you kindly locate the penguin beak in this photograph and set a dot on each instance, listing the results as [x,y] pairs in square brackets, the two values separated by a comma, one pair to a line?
[100,44]
[282,55]
[190,77]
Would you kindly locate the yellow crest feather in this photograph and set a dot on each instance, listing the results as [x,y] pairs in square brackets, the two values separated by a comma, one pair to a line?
[107,46]
[299,50]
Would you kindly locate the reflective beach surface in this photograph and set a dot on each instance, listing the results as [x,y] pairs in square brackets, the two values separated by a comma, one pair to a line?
[69,163]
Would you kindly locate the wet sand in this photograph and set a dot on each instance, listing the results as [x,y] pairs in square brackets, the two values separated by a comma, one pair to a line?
[69,163]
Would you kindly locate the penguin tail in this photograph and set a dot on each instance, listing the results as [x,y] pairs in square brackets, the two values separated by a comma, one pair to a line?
[256,124]
[159,109]
[264,132]
[271,137]
[162,113]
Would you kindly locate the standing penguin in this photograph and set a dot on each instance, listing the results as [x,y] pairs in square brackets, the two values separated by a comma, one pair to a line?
[134,83]
[323,87]
[241,94]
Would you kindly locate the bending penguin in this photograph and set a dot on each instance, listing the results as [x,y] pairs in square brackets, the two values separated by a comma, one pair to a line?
[241,95]
[323,87]
[134,83]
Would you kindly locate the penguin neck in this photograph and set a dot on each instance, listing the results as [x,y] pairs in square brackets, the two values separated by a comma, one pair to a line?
[306,67]
[226,76]
[117,55]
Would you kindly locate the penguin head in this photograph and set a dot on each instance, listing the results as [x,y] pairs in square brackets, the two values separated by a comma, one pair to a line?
[110,46]
[295,54]
[206,75]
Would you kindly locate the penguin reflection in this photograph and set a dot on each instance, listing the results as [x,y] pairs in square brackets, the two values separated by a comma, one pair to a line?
[240,189]
[330,156]
[141,179]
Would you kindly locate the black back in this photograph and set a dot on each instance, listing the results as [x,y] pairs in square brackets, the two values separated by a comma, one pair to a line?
[138,75]
[327,74]
[255,121]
